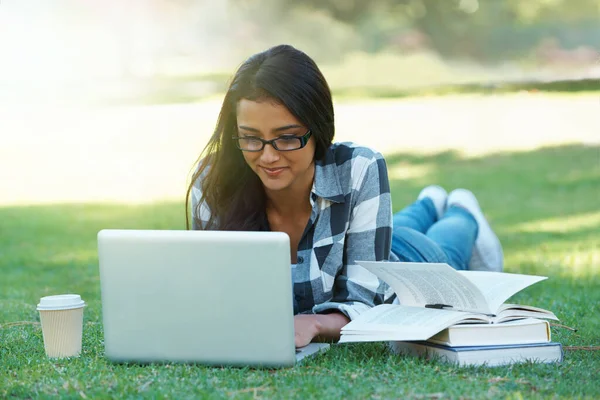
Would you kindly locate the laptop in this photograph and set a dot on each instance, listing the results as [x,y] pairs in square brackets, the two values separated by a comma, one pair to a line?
[209,297]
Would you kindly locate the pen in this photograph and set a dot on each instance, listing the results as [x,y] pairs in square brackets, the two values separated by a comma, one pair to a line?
[438,306]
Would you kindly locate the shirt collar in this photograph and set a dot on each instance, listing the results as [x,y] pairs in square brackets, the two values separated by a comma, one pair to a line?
[327,181]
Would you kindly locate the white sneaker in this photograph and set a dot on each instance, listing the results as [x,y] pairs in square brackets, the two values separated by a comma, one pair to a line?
[438,196]
[487,252]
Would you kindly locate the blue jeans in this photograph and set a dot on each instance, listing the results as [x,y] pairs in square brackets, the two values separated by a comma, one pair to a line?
[418,236]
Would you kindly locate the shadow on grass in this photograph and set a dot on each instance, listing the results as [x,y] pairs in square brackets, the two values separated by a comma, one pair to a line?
[550,187]
[513,187]
[545,201]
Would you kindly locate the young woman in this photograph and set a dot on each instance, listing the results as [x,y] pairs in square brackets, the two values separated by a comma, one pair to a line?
[271,165]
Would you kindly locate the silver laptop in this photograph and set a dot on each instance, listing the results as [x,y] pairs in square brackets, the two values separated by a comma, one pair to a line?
[210,297]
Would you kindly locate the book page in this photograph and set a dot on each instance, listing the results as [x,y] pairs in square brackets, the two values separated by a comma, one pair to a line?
[479,326]
[397,322]
[418,284]
[497,287]
[508,312]
[521,307]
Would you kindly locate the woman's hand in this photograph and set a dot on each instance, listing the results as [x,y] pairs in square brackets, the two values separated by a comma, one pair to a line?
[306,328]
[326,327]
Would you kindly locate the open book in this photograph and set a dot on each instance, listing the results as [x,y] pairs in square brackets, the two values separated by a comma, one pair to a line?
[434,296]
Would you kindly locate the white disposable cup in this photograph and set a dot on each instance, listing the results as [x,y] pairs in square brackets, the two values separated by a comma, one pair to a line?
[62,324]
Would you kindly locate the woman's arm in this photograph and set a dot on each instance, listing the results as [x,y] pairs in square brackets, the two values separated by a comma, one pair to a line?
[200,211]
[368,238]
[322,327]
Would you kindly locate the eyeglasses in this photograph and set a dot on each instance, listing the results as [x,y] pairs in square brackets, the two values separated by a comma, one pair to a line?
[282,143]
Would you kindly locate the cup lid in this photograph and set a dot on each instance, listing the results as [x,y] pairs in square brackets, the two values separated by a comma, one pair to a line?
[60,302]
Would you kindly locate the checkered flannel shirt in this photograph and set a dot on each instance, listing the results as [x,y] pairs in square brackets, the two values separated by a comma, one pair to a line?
[351,220]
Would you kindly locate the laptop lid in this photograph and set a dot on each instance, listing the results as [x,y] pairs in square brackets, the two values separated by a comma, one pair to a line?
[213,297]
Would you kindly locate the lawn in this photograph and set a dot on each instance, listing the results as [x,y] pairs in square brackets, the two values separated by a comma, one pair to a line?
[543,203]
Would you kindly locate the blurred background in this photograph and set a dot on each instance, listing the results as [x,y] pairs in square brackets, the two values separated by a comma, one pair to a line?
[114,100]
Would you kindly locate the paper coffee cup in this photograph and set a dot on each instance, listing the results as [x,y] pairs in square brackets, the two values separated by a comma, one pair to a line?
[62,324]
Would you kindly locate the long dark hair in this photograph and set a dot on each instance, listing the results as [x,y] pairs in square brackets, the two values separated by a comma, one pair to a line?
[231,190]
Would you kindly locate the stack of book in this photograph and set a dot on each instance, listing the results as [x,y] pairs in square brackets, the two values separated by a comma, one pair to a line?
[456,316]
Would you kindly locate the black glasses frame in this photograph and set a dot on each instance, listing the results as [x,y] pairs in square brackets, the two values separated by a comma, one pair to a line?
[273,142]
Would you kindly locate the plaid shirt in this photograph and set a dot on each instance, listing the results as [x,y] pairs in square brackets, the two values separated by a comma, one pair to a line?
[351,220]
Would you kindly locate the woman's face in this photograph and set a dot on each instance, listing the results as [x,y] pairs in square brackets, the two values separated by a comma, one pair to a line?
[278,170]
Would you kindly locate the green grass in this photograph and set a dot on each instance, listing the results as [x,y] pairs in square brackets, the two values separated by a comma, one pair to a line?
[214,86]
[544,205]
[560,87]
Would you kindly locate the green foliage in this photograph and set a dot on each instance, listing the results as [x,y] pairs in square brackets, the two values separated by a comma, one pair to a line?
[484,30]
[543,203]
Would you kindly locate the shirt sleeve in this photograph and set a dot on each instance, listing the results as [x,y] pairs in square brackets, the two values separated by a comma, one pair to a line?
[368,238]
[200,214]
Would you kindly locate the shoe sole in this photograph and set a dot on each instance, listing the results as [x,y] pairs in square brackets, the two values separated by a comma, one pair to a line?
[439,212]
